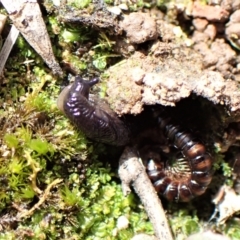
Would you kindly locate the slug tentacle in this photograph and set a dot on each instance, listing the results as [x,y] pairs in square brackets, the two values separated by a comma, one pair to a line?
[96,121]
[191,173]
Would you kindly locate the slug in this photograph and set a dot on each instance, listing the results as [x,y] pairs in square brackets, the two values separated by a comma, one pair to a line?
[92,117]
[192,172]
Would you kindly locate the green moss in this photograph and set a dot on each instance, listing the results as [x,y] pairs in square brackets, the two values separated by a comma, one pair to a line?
[226,169]
[7,236]
[75,61]
[232,229]
[54,25]
[107,204]
[183,224]
[27,192]
[36,138]
[11,140]
[70,36]
[79,4]
[74,34]
[42,147]
[70,197]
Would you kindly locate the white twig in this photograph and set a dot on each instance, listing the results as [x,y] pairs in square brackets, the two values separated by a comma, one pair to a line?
[3,19]
[131,171]
[7,47]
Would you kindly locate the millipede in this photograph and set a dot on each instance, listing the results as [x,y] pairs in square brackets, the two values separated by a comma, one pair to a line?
[190,175]
[192,172]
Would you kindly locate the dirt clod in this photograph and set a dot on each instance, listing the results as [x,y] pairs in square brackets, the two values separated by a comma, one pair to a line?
[147,80]
[211,13]
[139,27]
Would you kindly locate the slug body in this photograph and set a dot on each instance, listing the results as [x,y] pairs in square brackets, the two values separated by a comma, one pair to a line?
[193,170]
[97,121]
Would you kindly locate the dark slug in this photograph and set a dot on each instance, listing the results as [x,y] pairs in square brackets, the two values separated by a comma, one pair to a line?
[93,117]
[193,172]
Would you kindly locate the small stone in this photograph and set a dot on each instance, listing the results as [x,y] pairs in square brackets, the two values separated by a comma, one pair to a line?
[115,10]
[122,222]
[123,6]
[211,31]
[233,34]
[235,17]
[137,75]
[139,27]
[211,13]
[200,24]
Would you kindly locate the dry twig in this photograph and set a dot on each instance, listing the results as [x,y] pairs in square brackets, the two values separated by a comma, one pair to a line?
[131,171]
[43,198]
[7,47]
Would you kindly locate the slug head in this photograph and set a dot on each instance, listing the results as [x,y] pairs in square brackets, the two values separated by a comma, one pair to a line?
[78,87]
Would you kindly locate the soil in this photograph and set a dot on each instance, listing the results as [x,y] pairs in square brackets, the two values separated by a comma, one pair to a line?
[167,72]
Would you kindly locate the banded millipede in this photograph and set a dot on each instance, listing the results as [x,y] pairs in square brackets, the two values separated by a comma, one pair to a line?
[193,173]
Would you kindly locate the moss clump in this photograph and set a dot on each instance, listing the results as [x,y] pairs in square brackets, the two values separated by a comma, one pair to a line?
[183,224]
[52,183]
[41,179]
